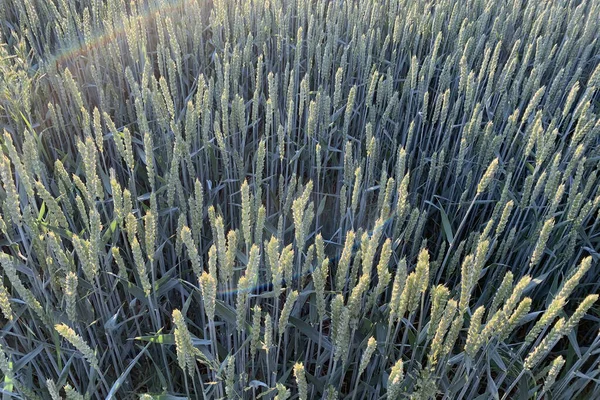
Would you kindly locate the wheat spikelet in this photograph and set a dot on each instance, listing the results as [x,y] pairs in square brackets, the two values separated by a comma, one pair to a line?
[471,345]
[282,392]
[208,286]
[358,177]
[212,260]
[186,352]
[555,368]
[541,350]
[300,215]
[11,205]
[344,263]
[194,256]
[256,320]
[70,291]
[5,306]
[409,300]
[219,230]
[286,311]
[383,273]
[246,214]
[150,229]
[140,266]
[320,276]
[286,259]
[230,377]
[540,245]
[226,272]
[77,342]
[437,344]
[11,272]
[439,299]
[6,365]
[242,296]
[342,337]
[559,300]
[422,271]
[53,390]
[261,216]
[22,172]
[301,381]
[356,297]
[72,394]
[395,380]
[268,336]
[502,292]
[487,176]
[516,316]
[367,354]
[581,310]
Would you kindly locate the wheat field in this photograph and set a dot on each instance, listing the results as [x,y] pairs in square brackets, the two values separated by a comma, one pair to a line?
[299,199]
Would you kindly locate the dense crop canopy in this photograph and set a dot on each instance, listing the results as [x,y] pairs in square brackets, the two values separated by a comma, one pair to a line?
[358,199]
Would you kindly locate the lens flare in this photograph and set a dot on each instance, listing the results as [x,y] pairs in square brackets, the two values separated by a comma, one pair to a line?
[102,38]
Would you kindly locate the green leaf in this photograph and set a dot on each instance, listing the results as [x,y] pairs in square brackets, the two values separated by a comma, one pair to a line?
[310,332]
[169,338]
[228,314]
[122,377]
[42,212]
[165,338]
[27,358]
[446,225]
[8,382]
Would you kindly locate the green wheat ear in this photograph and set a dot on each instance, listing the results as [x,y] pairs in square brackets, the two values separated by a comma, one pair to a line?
[72,394]
[186,352]
[208,286]
[555,368]
[78,342]
[230,377]
[286,311]
[70,291]
[11,272]
[395,380]
[320,276]
[282,392]
[472,344]
[11,203]
[53,390]
[368,353]
[6,365]
[439,298]
[540,246]
[560,300]
[299,373]
[256,320]
[5,306]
